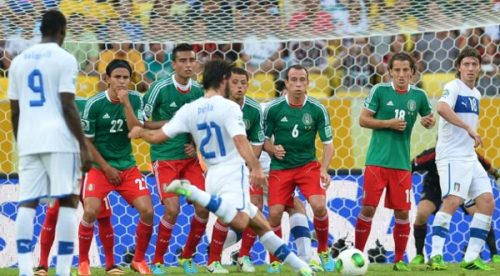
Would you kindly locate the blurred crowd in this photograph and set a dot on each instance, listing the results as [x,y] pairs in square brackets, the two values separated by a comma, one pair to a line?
[350,64]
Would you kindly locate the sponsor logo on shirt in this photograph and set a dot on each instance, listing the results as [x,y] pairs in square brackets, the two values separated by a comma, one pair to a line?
[106,116]
[173,104]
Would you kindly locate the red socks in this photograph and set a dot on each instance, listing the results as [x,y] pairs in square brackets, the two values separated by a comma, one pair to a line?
[85,233]
[107,237]
[321,228]
[400,235]
[48,233]
[164,233]
[198,226]
[247,241]
[219,234]
[363,227]
[142,237]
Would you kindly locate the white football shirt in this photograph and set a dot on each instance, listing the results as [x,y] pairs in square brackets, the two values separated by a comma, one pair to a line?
[265,159]
[36,78]
[213,122]
[453,142]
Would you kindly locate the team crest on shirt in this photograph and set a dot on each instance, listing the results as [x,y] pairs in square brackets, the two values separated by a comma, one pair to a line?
[307,119]
[456,187]
[85,125]
[148,109]
[446,92]
[247,124]
[412,105]
[91,187]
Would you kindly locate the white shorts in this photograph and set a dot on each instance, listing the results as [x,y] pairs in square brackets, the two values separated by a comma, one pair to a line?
[230,183]
[465,179]
[54,175]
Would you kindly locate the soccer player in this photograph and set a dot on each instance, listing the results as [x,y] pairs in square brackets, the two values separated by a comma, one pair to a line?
[431,201]
[293,121]
[175,159]
[461,176]
[217,127]
[391,110]
[107,118]
[252,117]
[50,142]
[106,233]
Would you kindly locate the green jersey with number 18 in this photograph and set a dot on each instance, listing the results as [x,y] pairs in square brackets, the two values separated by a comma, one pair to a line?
[390,148]
[295,128]
[105,122]
[252,116]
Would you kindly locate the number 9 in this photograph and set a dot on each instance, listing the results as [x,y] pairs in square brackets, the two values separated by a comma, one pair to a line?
[35,83]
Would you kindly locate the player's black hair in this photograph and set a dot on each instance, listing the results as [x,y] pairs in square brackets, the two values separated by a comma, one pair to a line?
[215,72]
[53,23]
[402,56]
[239,71]
[118,63]
[467,52]
[296,67]
[183,47]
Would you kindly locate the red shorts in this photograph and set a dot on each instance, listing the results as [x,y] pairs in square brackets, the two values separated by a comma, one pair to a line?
[256,191]
[132,186]
[397,182]
[282,183]
[167,171]
[105,211]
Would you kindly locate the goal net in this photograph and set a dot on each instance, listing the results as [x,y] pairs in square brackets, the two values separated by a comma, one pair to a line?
[345,45]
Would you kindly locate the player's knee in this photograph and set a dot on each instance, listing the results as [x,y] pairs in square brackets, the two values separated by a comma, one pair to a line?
[275,215]
[240,222]
[421,218]
[146,215]
[171,213]
[319,209]
[201,212]
[401,214]
[485,203]
[90,213]
[368,211]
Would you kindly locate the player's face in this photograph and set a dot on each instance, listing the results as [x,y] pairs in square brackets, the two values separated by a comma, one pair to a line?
[401,73]
[119,79]
[238,86]
[184,64]
[297,82]
[469,69]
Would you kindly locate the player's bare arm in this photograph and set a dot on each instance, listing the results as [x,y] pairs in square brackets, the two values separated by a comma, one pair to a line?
[367,120]
[72,119]
[428,121]
[154,124]
[112,174]
[257,176]
[152,136]
[14,115]
[325,164]
[132,121]
[445,111]
[257,149]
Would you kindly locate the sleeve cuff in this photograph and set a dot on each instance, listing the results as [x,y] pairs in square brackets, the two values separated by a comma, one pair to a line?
[327,142]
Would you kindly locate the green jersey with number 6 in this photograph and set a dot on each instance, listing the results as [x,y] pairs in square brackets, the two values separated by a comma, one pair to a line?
[161,103]
[295,128]
[105,122]
[390,148]
[252,117]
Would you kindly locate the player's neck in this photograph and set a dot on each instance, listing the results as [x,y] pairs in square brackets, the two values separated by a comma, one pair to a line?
[113,96]
[240,102]
[181,80]
[212,92]
[50,39]
[296,101]
[470,84]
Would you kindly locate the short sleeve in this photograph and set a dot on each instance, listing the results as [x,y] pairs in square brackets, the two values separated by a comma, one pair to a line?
[89,118]
[69,70]
[372,101]
[450,93]
[268,123]
[255,133]
[233,121]
[179,123]
[138,107]
[324,127]
[425,107]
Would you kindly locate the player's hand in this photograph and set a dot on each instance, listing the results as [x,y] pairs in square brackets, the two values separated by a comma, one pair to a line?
[257,177]
[135,132]
[474,135]
[428,121]
[279,152]
[190,149]
[86,159]
[113,175]
[123,95]
[397,124]
[325,179]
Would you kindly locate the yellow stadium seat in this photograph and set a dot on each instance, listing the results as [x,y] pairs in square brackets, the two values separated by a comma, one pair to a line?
[261,87]
[319,86]
[4,83]
[86,86]
[433,83]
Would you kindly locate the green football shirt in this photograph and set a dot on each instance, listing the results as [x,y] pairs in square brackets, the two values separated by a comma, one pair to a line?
[105,122]
[252,117]
[391,148]
[295,128]
[80,104]
[161,103]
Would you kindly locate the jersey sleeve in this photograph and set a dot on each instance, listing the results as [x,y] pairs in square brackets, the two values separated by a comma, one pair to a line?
[89,118]
[256,133]
[68,72]
[179,123]
[324,127]
[233,121]
[150,99]
[372,101]
[138,107]
[450,93]
[425,107]
[268,123]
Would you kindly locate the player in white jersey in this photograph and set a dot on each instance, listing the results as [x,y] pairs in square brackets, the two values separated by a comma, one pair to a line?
[49,138]
[461,176]
[217,127]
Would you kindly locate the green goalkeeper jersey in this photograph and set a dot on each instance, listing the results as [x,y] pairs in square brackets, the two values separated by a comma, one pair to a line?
[391,148]
[105,122]
[252,117]
[295,128]
[161,103]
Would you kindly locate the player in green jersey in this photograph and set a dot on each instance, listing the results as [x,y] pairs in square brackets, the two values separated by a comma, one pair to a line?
[176,158]
[391,110]
[107,118]
[293,121]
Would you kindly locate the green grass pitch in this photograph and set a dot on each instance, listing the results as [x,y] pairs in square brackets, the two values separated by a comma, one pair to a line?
[374,269]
